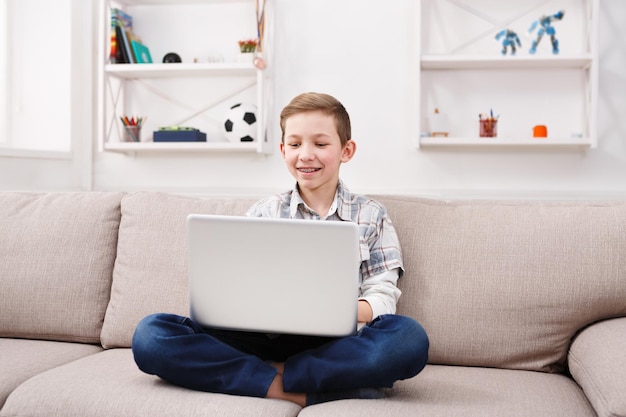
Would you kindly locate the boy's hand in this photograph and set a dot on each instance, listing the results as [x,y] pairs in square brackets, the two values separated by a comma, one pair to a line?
[364,312]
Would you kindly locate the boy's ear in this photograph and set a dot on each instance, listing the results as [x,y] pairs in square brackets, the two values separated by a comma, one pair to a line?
[348,151]
[282,149]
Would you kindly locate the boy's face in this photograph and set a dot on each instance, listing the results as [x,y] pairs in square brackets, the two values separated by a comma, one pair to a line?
[312,150]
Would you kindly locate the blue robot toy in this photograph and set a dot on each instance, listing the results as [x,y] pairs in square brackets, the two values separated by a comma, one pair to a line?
[545,23]
[510,39]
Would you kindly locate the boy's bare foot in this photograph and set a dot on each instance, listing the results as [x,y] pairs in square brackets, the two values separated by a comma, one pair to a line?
[280,367]
[276,391]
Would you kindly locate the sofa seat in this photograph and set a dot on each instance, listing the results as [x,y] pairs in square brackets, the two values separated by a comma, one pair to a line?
[22,358]
[441,390]
[109,384]
[87,386]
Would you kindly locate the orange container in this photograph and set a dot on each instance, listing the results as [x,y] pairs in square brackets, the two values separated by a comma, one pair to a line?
[540,131]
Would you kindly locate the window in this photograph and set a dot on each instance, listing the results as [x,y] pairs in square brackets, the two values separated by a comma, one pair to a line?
[35,73]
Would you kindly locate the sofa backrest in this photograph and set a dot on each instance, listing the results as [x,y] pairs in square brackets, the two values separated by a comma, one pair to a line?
[495,283]
[508,284]
[56,261]
[150,273]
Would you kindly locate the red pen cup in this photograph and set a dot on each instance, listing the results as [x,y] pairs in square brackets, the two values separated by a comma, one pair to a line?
[488,128]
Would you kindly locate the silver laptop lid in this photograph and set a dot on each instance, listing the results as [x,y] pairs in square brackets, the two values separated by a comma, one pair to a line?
[274,275]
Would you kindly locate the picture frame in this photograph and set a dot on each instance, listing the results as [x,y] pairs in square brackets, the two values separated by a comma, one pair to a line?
[141,52]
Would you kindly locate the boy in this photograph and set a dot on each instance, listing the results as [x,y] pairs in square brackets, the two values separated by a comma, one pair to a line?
[316,140]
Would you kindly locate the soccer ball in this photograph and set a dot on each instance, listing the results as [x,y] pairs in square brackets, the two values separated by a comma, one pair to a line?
[240,124]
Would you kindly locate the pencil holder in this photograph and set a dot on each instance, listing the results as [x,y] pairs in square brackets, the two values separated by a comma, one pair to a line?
[488,128]
[132,133]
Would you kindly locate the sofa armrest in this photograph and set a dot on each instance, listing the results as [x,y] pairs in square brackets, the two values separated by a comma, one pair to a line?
[597,361]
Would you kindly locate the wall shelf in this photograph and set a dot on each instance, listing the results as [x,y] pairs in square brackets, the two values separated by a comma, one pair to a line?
[191,94]
[463,62]
[443,142]
[178,2]
[462,73]
[133,71]
[178,147]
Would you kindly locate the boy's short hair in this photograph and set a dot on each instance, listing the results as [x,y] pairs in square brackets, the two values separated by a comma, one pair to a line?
[318,102]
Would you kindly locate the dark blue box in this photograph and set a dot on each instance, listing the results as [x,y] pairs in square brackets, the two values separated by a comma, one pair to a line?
[179,136]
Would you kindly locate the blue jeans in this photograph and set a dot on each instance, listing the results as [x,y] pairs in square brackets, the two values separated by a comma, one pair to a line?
[183,353]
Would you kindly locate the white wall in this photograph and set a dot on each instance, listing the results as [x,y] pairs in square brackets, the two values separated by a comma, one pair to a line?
[362,51]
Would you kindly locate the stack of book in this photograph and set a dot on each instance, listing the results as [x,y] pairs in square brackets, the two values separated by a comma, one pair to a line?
[126,47]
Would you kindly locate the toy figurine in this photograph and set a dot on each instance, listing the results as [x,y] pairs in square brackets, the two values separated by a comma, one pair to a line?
[510,39]
[546,27]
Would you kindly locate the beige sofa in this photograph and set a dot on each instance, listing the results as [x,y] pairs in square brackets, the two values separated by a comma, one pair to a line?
[524,303]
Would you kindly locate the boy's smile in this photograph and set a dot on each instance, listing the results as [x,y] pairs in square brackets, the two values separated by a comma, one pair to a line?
[313,153]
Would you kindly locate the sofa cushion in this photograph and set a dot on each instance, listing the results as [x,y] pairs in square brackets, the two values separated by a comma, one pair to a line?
[109,384]
[22,359]
[57,252]
[150,273]
[597,361]
[509,283]
[469,392]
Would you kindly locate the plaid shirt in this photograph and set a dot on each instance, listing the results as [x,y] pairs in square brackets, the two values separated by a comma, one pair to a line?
[380,248]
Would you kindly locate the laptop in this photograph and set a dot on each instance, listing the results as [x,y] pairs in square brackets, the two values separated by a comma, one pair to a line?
[281,276]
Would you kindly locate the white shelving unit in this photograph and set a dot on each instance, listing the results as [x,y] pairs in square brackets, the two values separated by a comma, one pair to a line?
[178,70]
[186,93]
[503,142]
[462,73]
[466,62]
[167,147]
